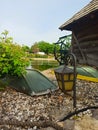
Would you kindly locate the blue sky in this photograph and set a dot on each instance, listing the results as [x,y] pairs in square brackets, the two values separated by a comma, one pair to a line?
[30,21]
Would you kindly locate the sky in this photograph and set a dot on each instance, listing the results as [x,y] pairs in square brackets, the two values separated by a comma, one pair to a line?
[30,21]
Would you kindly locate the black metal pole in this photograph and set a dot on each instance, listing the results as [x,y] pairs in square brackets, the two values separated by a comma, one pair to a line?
[75,74]
[74,84]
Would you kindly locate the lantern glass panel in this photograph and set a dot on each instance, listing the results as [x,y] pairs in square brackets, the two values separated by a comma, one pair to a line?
[68,86]
[65,78]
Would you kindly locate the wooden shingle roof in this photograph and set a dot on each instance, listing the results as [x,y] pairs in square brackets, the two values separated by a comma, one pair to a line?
[91,7]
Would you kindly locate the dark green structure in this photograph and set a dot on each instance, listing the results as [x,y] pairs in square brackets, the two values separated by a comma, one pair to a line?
[31,83]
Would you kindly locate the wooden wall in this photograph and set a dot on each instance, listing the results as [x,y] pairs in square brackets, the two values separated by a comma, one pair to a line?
[85,40]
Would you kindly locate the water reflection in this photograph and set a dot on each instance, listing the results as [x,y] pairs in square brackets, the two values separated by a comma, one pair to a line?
[43,64]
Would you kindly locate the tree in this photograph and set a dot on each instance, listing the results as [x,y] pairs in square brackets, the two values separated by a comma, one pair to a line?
[45,47]
[13,60]
[42,46]
[35,48]
[51,48]
[25,48]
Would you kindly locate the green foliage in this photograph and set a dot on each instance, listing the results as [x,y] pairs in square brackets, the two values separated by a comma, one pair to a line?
[4,38]
[43,46]
[13,60]
[25,48]
[35,48]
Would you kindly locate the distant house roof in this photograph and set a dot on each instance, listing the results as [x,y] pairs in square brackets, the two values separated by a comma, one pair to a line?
[91,7]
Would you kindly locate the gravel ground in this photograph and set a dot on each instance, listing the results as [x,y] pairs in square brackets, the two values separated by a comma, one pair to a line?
[52,107]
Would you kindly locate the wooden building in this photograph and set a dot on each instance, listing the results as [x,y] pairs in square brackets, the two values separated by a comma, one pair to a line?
[84,27]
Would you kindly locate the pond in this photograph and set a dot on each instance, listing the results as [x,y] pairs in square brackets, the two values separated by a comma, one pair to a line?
[43,64]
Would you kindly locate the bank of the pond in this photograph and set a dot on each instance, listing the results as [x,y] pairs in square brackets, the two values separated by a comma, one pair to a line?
[43,63]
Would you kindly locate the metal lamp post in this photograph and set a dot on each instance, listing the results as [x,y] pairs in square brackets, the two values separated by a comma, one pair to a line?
[66,76]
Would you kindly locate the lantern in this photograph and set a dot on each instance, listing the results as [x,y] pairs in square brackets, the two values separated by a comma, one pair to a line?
[66,76]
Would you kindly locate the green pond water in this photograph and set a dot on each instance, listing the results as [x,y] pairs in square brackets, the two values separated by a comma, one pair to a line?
[44,64]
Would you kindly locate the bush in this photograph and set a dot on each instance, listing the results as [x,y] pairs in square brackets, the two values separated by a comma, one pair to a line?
[13,60]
